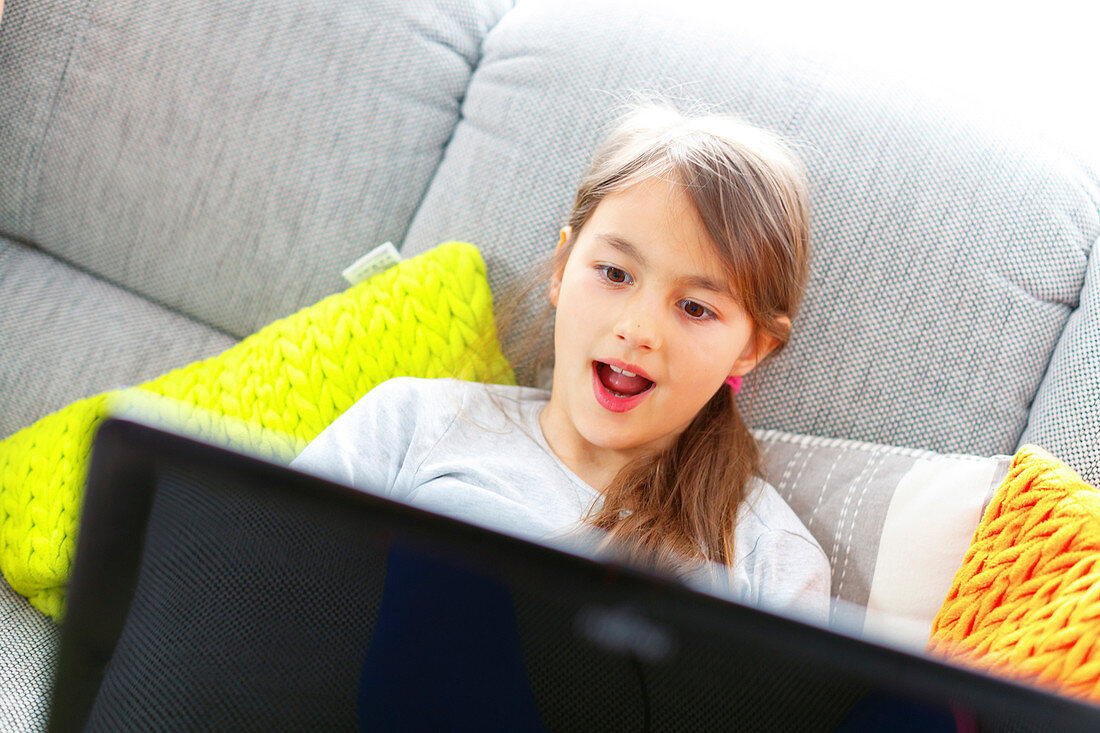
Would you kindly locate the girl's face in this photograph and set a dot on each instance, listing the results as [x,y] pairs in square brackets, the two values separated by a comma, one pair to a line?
[646,331]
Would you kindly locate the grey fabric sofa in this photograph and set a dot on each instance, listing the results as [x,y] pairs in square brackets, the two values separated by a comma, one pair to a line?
[174,175]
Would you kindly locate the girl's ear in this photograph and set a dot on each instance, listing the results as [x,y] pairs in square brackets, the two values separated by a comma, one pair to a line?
[759,346]
[564,235]
[559,267]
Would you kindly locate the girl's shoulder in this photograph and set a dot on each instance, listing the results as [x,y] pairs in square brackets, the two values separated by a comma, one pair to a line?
[764,502]
[456,396]
[420,387]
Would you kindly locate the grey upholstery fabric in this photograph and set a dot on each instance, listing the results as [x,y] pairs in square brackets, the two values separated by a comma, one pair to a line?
[28,650]
[36,40]
[229,159]
[946,261]
[66,335]
[1067,409]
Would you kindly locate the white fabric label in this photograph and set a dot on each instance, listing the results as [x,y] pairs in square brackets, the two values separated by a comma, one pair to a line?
[379,259]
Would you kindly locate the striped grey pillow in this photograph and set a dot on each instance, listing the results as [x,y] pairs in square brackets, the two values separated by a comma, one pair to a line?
[895,522]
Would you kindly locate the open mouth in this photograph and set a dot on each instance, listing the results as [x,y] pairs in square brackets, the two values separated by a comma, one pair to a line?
[617,389]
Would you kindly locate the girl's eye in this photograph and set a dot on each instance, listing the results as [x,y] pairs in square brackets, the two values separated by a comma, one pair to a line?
[695,310]
[614,275]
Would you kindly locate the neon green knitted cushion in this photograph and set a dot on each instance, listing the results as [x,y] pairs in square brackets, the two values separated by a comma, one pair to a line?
[430,316]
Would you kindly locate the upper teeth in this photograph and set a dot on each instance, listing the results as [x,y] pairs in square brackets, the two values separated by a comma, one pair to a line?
[624,372]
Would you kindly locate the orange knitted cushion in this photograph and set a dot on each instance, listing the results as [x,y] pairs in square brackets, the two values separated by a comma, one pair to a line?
[1026,601]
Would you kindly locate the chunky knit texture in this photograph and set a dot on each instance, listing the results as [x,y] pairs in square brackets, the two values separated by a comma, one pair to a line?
[430,316]
[1026,601]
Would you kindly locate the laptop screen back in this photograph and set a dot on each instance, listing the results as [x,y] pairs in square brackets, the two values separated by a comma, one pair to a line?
[216,591]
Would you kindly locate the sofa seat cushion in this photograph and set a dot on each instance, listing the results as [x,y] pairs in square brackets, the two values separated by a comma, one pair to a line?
[430,316]
[28,652]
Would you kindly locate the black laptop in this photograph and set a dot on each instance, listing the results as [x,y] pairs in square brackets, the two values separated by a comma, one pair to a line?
[216,591]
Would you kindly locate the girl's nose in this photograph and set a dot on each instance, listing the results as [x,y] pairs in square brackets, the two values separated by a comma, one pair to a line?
[639,326]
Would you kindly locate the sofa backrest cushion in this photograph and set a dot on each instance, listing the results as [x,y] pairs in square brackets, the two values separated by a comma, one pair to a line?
[946,260]
[227,160]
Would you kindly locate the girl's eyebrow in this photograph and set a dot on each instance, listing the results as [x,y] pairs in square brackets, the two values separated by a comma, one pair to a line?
[623,246]
[694,281]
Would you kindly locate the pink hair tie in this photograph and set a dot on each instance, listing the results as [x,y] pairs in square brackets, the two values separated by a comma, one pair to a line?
[734,383]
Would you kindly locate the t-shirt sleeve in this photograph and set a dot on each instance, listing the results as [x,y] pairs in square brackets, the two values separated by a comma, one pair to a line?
[370,446]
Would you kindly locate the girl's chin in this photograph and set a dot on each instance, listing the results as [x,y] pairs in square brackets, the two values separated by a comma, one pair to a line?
[614,438]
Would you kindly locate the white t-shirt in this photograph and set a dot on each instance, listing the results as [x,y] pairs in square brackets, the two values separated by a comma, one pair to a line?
[477,453]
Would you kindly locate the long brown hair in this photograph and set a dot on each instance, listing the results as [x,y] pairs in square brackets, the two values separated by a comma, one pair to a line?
[679,506]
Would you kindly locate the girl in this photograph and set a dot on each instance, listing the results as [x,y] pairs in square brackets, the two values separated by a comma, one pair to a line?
[677,273]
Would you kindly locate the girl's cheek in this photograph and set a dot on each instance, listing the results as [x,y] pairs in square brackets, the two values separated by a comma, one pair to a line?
[702,358]
[593,298]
